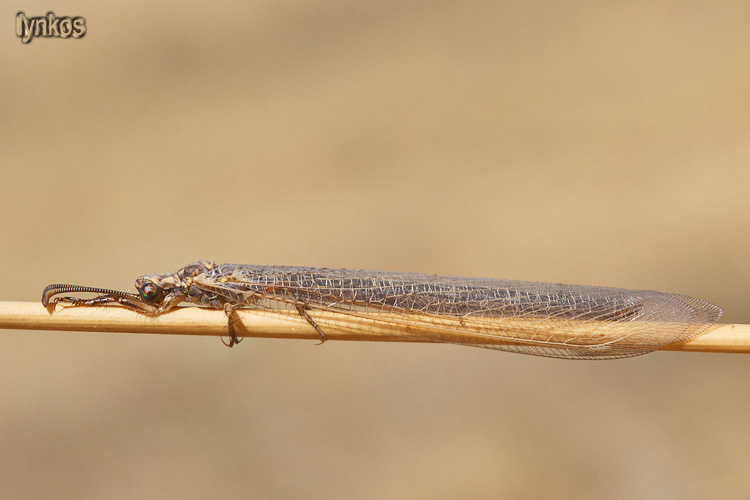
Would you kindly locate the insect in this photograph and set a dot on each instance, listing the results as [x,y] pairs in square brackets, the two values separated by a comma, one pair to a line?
[555,320]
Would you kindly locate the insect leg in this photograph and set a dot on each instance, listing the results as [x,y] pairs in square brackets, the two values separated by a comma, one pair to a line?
[232,319]
[303,312]
[301,309]
[126,302]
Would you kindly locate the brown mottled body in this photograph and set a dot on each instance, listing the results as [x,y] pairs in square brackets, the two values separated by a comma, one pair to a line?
[566,321]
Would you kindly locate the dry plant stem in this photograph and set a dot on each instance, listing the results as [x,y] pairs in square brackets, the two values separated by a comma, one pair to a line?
[198,321]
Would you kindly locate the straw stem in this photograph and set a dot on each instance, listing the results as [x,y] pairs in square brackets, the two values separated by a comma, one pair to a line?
[727,338]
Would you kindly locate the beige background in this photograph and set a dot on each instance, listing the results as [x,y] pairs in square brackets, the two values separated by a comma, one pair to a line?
[568,142]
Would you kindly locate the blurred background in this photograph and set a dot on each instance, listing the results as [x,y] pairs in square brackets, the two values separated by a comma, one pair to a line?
[577,142]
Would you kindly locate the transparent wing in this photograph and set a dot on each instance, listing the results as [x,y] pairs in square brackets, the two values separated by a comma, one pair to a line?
[564,321]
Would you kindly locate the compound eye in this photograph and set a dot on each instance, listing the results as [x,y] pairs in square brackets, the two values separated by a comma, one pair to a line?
[150,292]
